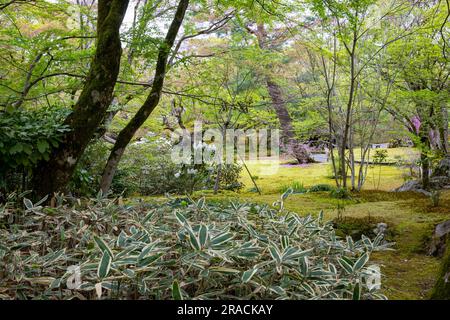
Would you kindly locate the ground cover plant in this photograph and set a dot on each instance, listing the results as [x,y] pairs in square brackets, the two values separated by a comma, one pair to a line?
[179,249]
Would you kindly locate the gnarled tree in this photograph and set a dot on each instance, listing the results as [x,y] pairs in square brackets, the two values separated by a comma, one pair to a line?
[89,111]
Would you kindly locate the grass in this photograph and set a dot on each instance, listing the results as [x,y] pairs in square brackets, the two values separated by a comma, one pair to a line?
[409,273]
[272,176]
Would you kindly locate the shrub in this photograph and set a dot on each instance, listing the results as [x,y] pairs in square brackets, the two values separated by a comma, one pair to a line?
[87,174]
[356,227]
[149,164]
[340,193]
[435,197]
[27,137]
[147,169]
[179,249]
[320,188]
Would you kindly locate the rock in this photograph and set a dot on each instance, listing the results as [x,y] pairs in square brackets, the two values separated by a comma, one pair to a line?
[442,229]
[436,183]
[413,185]
[443,168]
[409,186]
[438,242]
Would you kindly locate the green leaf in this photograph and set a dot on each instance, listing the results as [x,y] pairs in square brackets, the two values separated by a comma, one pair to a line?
[221,238]
[286,194]
[248,275]
[103,246]
[17,148]
[181,219]
[145,251]
[224,270]
[275,253]
[357,292]
[345,265]
[104,266]
[193,240]
[308,288]
[146,261]
[201,203]
[28,204]
[42,146]
[361,262]
[176,291]
[121,239]
[148,217]
[50,258]
[284,242]
[203,235]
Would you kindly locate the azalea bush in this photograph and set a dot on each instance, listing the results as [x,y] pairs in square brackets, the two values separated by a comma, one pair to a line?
[178,249]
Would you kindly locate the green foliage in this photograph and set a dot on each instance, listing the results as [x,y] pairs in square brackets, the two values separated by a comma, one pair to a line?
[181,249]
[435,197]
[87,174]
[147,169]
[296,186]
[380,156]
[356,227]
[340,193]
[26,137]
[320,188]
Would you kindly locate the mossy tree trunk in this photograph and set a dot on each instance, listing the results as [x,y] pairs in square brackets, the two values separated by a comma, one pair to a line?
[441,290]
[150,103]
[88,113]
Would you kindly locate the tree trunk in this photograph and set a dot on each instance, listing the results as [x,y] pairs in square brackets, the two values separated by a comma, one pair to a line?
[441,290]
[288,141]
[443,128]
[150,103]
[88,113]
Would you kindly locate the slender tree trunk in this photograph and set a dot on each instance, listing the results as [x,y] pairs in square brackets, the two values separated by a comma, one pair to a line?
[424,160]
[443,128]
[150,103]
[88,113]
[351,95]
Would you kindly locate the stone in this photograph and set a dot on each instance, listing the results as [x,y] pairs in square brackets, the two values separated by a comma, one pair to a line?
[438,242]
[443,168]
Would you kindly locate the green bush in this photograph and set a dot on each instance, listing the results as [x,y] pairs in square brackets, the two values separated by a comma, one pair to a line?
[182,249]
[26,137]
[320,188]
[150,169]
[147,169]
[87,174]
[340,193]
[356,227]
